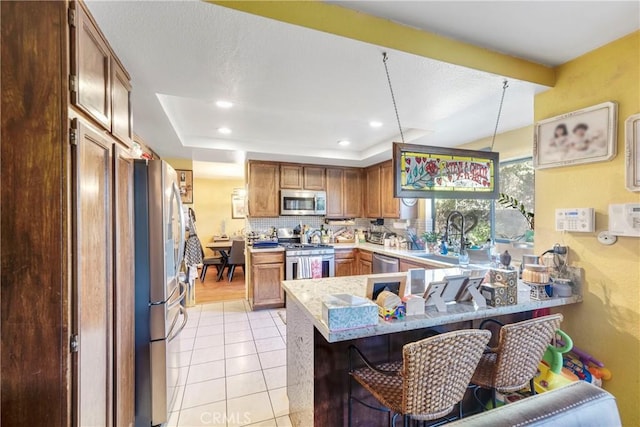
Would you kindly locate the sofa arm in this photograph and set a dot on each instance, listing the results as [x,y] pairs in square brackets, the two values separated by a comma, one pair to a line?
[579,404]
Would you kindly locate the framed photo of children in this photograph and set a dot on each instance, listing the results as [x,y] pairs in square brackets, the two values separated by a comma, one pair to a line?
[185,183]
[583,136]
[632,152]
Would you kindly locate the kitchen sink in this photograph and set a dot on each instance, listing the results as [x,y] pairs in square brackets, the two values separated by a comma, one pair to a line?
[448,259]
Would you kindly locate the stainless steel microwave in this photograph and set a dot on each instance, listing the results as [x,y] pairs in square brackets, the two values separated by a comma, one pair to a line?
[300,202]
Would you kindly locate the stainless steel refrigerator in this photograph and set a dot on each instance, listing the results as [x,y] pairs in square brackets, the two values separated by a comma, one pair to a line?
[160,313]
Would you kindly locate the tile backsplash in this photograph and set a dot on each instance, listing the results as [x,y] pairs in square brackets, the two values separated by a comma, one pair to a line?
[260,225]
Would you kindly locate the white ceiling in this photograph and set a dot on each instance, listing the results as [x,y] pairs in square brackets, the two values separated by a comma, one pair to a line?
[547,32]
[296,91]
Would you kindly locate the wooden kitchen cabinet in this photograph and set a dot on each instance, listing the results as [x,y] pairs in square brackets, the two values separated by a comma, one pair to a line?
[335,182]
[344,193]
[371,191]
[365,259]
[267,273]
[378,192]
[389,205]
[352,193]
[121,123]
[90,79]
[291,177]
[92,290]
[314,178]
[123,289]
[345,262]
[263,180]
[69,321]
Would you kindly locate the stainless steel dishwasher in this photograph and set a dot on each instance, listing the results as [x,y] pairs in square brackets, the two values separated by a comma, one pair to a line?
[385,264]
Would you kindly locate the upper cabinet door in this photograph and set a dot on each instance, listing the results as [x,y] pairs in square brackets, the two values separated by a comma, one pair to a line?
[121,126]
[390,206]
[263,189]
[90,82]
[291,177]
[335,207]
[314,178]
[372,192]
[352,193]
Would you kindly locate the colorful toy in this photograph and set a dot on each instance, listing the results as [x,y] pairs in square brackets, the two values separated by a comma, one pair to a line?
[551,373]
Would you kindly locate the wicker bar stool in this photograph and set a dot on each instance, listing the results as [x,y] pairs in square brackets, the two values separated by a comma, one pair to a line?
[514,362]
[429,381]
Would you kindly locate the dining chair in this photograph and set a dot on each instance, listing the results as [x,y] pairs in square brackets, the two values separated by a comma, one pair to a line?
[236,257]
[216,261]
[513,363]
[428,383]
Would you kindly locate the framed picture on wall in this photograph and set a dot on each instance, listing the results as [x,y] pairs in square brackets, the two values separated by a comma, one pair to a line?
[632,152]
[185,183]
[238,206]
[583,136]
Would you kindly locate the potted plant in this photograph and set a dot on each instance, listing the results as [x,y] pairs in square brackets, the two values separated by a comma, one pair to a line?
[432,241]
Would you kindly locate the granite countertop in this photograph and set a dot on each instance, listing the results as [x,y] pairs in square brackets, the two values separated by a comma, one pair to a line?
[308,295]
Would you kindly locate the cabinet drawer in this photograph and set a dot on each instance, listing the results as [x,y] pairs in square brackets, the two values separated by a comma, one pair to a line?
[267,258]
[365,255]
[344,254]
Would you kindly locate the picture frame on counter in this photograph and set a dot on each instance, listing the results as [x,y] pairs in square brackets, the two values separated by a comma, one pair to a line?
[579,137]
[632,152]
[393,283]
[185,184]
[427,172]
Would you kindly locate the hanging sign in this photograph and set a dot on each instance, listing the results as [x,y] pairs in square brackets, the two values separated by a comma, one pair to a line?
[434,172]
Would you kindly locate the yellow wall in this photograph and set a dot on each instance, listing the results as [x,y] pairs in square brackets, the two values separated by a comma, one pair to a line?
[607,323]
[514,144]
[179,163]
[212,205]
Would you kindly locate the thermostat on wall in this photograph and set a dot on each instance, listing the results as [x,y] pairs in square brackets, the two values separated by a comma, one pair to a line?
[576,220]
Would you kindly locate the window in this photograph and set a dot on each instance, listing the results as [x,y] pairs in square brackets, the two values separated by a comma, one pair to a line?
[491,219]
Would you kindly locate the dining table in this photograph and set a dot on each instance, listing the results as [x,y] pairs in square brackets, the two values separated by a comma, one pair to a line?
[223,247]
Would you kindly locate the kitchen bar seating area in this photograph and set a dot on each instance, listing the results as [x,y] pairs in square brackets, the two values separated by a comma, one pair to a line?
[326,213]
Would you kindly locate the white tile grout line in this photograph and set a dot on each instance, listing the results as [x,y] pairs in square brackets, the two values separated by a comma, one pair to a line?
[224,360]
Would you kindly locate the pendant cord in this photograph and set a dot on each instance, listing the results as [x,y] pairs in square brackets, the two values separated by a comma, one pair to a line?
[505,85]
[393,98]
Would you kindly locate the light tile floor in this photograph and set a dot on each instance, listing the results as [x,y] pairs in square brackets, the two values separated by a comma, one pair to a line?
[236,370]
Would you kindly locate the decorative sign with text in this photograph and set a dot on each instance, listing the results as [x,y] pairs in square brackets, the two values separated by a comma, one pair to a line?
[434,172]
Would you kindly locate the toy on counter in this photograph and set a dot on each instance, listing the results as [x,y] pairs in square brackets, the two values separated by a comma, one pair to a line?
[392,313]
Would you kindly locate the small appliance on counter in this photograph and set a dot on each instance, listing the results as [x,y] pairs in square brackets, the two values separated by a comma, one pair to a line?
[378,237]
[288,235]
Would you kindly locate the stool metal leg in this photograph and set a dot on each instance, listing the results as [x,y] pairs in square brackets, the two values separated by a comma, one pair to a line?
[493,398]
[532,386]
[350,403]
[393,420]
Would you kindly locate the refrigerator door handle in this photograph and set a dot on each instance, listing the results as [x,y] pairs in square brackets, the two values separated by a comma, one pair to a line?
[173,291]
[176,194]
[171,336]
[178,300]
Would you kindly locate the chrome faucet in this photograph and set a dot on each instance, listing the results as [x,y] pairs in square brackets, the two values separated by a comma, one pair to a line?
[446,233]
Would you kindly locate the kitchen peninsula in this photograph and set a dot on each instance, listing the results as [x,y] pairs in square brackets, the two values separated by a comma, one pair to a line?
[317,377]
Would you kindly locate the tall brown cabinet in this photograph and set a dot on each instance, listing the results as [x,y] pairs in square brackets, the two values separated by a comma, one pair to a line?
[67,256]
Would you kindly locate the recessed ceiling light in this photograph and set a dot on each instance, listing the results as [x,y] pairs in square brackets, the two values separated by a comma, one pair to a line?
[225,131]
[224,104]
[375,124]
[344,142]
